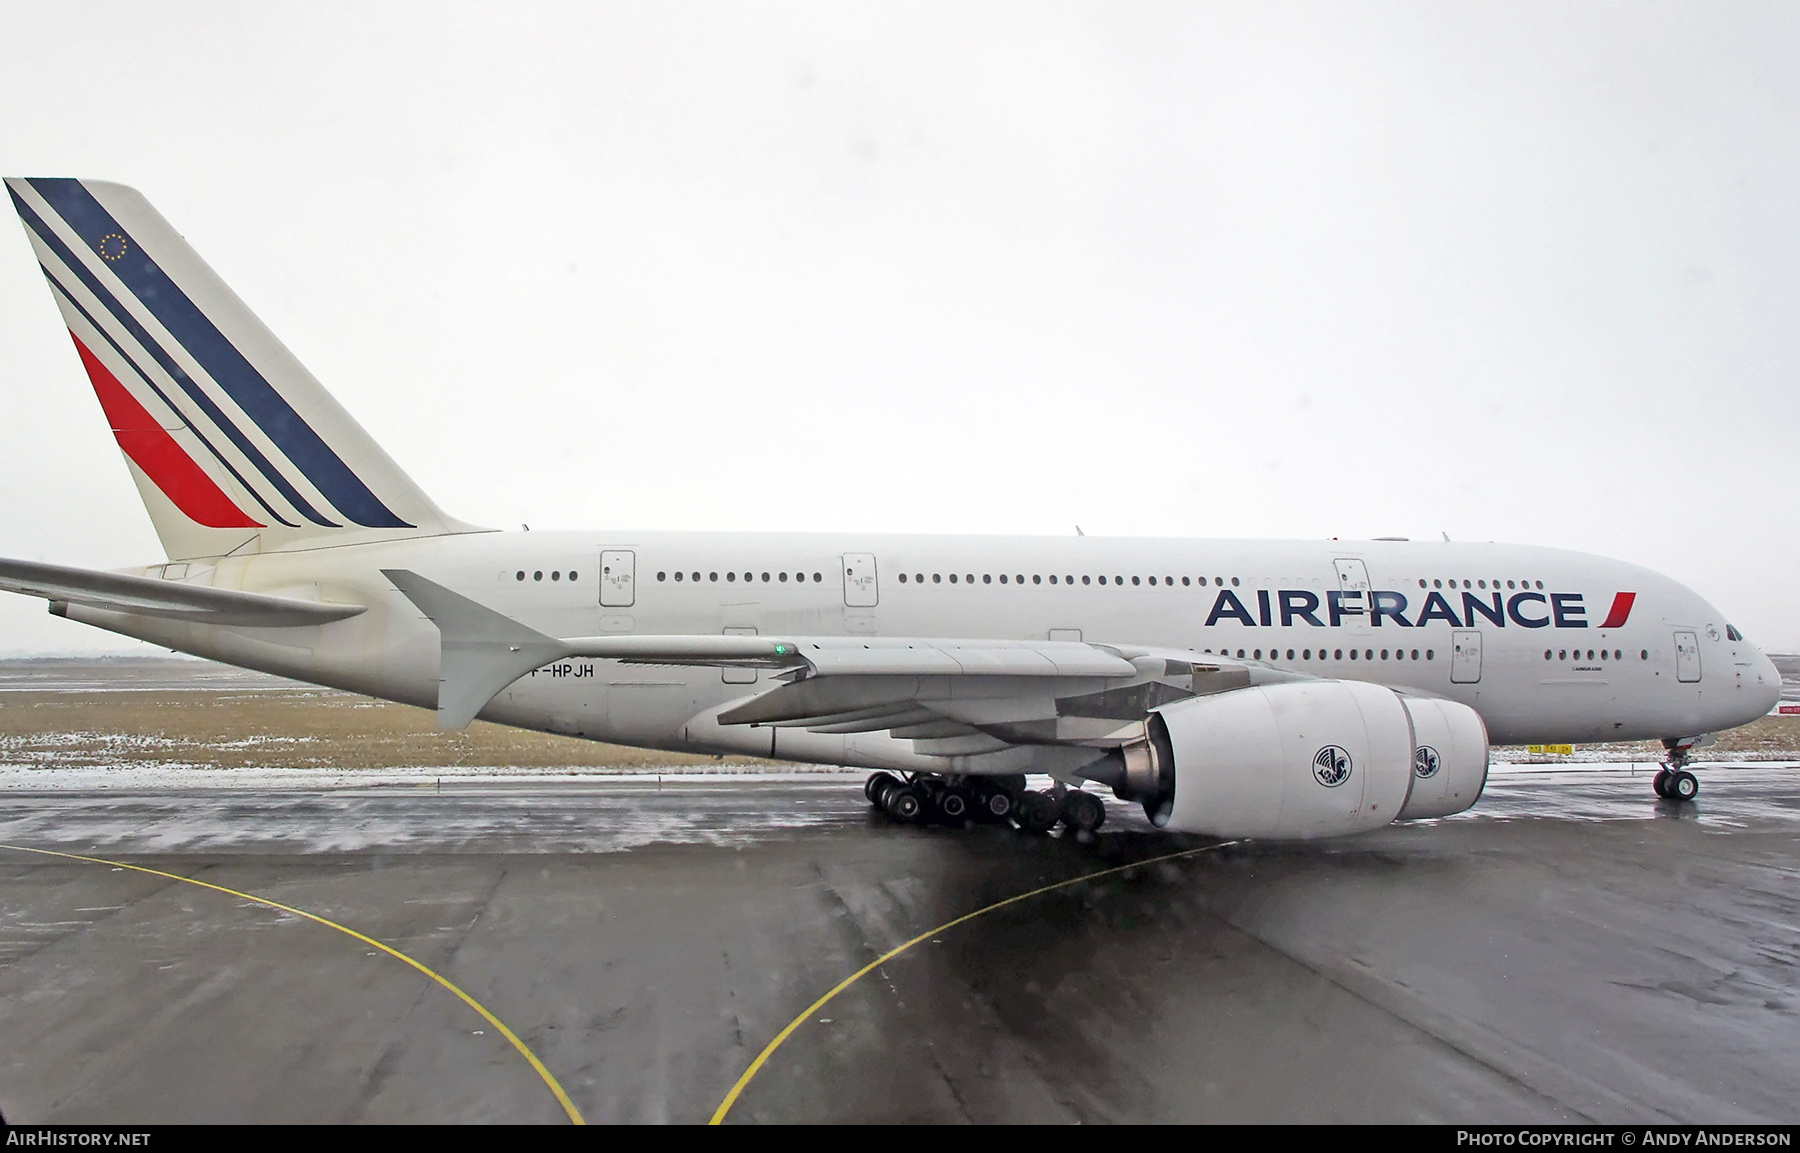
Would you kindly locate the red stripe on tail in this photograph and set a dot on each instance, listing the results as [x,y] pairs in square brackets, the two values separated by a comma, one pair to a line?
[152,449]
[1621,608]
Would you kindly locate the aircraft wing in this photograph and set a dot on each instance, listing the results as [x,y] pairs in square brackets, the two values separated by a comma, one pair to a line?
[948,696]
[147,596]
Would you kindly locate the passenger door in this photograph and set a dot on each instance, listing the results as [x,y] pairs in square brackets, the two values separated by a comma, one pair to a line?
[1687,657]
[860,588]
[1353,583]
[1465,656]
[618,578]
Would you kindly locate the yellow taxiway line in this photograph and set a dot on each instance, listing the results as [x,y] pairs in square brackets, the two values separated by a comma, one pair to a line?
[562,1098]
[769,1049]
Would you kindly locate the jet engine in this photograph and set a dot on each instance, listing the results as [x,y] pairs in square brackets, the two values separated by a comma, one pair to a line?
[1302,760]
[1450,758]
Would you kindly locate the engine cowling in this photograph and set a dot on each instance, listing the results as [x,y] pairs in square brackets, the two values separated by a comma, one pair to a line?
[1290,761]
[1450,758]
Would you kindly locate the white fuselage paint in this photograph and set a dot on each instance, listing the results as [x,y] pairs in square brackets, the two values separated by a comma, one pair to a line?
[1524,697]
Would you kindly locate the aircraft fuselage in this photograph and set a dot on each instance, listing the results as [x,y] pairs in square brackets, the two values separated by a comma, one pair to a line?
[1549,646]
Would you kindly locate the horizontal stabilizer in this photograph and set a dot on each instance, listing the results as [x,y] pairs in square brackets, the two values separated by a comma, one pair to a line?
[175,600]
[481,651]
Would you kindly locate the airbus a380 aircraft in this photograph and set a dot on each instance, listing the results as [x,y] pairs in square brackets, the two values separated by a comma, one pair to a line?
[1235,688]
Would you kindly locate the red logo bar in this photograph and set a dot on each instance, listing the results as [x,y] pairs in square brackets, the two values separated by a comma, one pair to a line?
[1621,608]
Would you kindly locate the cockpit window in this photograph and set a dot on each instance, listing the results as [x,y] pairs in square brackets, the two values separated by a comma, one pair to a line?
[1731,633]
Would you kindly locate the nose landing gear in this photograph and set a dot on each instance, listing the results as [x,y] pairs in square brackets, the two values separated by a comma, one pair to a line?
[1673,782]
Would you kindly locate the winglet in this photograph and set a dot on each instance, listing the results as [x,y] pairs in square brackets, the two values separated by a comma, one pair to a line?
[481,651]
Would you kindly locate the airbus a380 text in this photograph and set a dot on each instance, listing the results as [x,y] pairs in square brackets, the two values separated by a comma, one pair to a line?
[1235,688]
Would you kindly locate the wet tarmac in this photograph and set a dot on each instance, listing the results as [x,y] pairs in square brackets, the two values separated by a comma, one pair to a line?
[1571,950]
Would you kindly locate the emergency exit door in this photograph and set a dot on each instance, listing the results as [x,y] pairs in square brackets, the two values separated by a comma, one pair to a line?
[1687,657]
[618,578]
[860,588]
[1465,656]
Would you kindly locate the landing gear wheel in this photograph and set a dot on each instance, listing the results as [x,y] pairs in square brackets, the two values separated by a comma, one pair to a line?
[953,805]
[1083,812]
[995,805]
[876,782]
[1675,782]
[1660,783]
[1037,812]
[884,788]
[903,803]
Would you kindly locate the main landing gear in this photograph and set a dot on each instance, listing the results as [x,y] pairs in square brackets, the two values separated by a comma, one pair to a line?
[925,798]
[1673,782]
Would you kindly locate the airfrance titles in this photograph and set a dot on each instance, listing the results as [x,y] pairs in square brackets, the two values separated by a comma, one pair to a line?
[1386,607]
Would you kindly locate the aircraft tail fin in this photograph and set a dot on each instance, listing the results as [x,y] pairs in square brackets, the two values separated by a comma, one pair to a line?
[233,444]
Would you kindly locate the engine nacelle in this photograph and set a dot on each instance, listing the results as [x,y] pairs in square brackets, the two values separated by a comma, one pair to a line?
[1450,758]
[1287,761]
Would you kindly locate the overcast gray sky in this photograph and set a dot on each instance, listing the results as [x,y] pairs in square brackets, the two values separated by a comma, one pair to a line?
[1519,272]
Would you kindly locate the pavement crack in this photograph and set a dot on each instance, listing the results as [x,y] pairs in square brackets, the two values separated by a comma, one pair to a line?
[844,912]
[962,1106]
[46,942]
[463,934]
[731,993]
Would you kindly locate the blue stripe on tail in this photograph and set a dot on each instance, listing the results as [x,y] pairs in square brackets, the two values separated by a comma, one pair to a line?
[218,356]
[62,291]
[188,385]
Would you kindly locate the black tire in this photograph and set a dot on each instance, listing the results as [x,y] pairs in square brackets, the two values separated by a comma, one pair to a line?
[1013,786]
[1083,812]
[1660,782]
[873,786]
[1683,786]
[953,805]
[904,803]
[995,804]
[1037,812]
